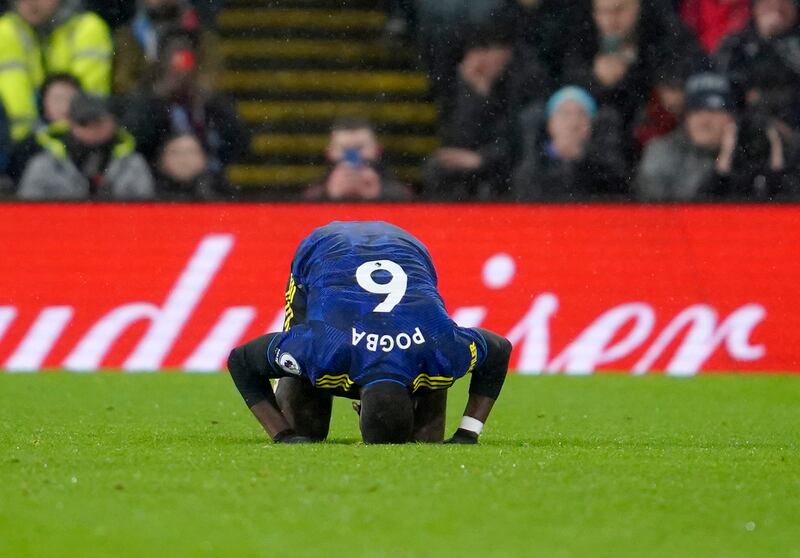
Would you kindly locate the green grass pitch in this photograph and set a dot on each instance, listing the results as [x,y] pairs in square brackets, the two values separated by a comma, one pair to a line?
[174,465]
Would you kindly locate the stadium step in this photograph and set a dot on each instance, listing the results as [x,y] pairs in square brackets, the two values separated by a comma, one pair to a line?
[279,144]
[286,180]
[304,53]
[325,81]
[418,113]
[252,20]
[296,65]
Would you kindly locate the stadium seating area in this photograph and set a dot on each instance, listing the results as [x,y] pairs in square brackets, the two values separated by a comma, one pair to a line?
[483,100]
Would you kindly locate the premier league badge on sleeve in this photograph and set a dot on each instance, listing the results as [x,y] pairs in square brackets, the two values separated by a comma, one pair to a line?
[288,363]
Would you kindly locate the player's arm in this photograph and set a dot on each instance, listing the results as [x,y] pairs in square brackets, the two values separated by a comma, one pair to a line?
[484,388]
[251,371]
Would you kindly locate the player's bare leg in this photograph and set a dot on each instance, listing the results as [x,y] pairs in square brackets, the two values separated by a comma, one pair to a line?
[307,409]
[430,407]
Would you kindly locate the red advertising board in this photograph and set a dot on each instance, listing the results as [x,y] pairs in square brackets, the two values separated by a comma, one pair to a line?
[578,289]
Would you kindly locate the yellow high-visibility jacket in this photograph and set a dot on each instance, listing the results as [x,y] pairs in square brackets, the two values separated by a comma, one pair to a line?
[81,46]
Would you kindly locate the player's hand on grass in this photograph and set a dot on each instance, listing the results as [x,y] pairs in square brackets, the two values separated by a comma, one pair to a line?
[463,436]
[291,437]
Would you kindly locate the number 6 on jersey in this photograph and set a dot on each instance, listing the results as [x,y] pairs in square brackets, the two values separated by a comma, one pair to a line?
[394,289]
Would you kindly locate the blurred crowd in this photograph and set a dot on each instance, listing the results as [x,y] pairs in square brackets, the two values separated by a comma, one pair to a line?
[652,100]
[538,100]
[114,101]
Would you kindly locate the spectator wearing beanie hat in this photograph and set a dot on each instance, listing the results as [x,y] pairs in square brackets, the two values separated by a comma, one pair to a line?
[571,151]
[712,156]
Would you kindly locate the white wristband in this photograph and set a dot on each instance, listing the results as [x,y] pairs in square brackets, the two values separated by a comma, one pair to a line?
[471,424]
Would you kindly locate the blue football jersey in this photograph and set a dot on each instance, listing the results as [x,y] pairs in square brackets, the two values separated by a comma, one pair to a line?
[372,312]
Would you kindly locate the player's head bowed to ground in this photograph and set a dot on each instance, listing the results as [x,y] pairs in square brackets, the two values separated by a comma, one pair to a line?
[364,320]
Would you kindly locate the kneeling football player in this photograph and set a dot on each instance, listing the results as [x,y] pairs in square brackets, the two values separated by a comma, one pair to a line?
[364,320]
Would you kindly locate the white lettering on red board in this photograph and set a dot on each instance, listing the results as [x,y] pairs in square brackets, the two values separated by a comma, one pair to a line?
[593,347]
[598,344]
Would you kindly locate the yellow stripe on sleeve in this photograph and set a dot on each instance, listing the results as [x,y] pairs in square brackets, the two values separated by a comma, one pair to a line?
[290,292]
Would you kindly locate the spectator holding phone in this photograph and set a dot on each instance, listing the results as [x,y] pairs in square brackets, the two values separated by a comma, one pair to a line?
[356,171]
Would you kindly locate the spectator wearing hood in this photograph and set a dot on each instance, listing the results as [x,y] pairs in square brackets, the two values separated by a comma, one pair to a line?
[763,61]
[712,156]
[89,157]
[49,36]
[627,42]
[572,151]
[138,44]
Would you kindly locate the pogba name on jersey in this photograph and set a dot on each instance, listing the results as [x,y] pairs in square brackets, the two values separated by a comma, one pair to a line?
[387,343]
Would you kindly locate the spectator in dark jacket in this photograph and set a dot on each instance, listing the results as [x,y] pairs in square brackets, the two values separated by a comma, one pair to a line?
[495,82]
[572,152]
[356,171]
[177,104]
[763,61]
[713,157]
[628,41]
[444,29]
